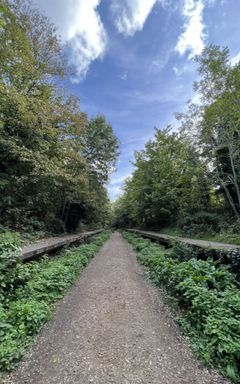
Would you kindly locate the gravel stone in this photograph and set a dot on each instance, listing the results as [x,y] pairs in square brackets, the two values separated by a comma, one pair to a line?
[112,327]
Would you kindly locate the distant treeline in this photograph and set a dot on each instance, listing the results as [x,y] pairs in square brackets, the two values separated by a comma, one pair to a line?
[54,160]
[191,178]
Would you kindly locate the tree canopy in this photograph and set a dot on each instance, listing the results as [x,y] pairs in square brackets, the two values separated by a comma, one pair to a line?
[54,160]
[192,176]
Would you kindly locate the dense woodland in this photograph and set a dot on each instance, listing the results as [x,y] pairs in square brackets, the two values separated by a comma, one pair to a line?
[54,160]
[190,178]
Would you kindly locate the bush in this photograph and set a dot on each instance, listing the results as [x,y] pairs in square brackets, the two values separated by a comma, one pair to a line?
[183,251]
[208,296]
[9,260]
[234,227]
[200,222]
[55,225]
[27,316]
[231,257]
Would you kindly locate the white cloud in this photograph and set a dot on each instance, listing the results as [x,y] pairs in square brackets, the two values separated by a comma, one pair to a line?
[177,71]
[196,99]
[180,70]
[114,192]
[81,28]
[192,39]
[117,179]
[235,60]
[124,76]
[129,16]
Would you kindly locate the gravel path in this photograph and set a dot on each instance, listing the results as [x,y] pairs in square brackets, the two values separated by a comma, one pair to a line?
[113,327]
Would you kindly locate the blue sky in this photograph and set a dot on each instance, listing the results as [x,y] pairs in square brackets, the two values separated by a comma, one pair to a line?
[132,60]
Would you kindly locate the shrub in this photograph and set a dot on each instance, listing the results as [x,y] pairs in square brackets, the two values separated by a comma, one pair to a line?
[232,258]
[183,251]
[9,260]
[27,315]
[200,222]
[55,225]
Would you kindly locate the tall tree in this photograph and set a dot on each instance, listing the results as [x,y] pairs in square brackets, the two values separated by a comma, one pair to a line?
[100,148]
[54,162]
[219,126]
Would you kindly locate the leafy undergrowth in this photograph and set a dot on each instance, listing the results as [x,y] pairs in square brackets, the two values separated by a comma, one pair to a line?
[28,292]
[208,297]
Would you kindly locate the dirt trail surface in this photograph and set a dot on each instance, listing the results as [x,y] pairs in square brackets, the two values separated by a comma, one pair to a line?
[113,327]
[196,242]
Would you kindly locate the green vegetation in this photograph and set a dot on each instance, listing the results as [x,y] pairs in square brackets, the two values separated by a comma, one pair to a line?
[207,295]
[28,292]
[54,160]
[189,179]
[22,238]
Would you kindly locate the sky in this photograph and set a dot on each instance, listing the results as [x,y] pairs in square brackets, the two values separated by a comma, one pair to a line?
[133,60]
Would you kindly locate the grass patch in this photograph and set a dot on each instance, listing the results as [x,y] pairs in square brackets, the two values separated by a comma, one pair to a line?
[28,292]
[208,296]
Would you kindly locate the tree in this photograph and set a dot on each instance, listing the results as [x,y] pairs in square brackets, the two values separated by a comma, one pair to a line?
[168,183]
[219,127]
[100,148]
[193,175]
[54,162]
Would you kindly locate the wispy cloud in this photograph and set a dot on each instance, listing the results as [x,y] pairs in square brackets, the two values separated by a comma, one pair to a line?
[81,28]
[180,70]
[114,192]
[192,39]
[87,36]
[124,76]
[117,180]
[129,16]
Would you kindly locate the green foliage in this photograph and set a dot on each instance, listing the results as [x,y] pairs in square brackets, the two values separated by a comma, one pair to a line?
[9,261]
[31,290]
[100,148]
[232,258]
[168,183]
[208,296]
[27,316]
[200,222]
[54,161]
[183,251]
[191,179]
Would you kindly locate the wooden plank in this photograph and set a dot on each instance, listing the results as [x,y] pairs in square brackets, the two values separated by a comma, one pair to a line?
[33,251]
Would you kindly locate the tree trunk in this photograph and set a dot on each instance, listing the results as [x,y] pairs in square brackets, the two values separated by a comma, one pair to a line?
[63,208]
[230,150]
[229,197]
[67,213]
